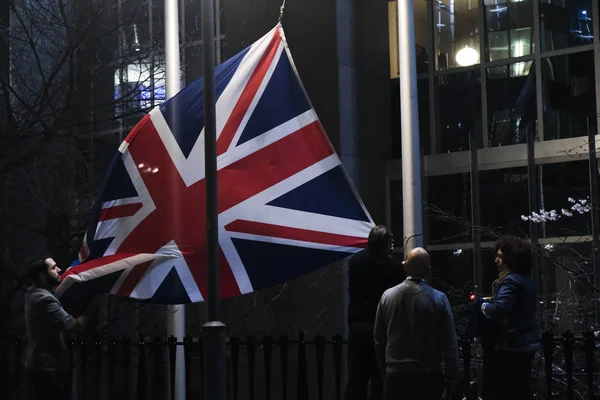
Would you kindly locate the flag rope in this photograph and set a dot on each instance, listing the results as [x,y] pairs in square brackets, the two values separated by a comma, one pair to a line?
[281,9]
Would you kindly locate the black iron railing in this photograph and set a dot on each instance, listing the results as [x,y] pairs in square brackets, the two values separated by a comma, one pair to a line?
[276,368]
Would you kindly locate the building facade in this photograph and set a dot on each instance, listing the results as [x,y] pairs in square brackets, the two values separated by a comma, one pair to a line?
[508,107]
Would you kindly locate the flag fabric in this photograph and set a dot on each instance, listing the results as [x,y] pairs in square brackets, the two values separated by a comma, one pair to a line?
[286,206]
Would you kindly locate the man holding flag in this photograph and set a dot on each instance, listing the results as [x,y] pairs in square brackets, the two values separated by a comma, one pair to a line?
[47,322]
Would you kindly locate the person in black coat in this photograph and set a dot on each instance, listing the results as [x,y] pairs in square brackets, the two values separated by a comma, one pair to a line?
[371,272]
[510,336]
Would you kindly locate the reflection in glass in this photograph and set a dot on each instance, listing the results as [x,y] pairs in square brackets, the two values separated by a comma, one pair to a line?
[508,29]
[569,95]
[456,29]
[458,103]
[504,197]
[511,103]
[448,208]
[566,23]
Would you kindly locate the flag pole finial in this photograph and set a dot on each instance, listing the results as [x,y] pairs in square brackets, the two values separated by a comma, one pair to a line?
[281,9]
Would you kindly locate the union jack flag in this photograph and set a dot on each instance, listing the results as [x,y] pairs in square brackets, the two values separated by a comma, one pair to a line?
[286,206]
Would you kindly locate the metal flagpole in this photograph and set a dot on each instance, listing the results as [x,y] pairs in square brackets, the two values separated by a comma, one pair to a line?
[214,330]
[176,314]
[409,115]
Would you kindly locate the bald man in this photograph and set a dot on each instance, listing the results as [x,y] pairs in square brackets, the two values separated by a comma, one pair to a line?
[415,339]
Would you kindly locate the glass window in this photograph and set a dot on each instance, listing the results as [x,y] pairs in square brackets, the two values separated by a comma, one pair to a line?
[512,105]
[564,186]
[458,113]
[142,88]
[421,35]
[456,33]
[194,62]
[193,25]
[569,95]
[448,208]
[504,197]
[566,23]
[509,32]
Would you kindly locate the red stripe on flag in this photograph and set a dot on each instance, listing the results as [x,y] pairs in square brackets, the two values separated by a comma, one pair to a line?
[229,287]
[304,235]
[273,164]
[135,275]
[248,94]
[125,210]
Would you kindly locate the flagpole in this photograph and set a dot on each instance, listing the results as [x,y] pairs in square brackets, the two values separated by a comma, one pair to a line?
[214,329]
[409,115]
[176,313]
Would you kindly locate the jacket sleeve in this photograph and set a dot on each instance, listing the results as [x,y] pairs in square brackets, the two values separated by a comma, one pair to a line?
[449,344]
[504,301]
[380,335]
[58,318]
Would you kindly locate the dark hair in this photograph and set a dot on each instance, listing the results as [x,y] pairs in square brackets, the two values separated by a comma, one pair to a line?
[36,264]
[380,239]
[517,253]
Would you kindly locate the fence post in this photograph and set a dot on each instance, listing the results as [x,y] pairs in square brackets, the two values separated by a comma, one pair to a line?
[69,388]
[201,377]
[235,357]
[4,363]
[172,343]
[568,349]
[187,349]
[142,374]
[466,349]
[548,347]
[590,348]
[157,369]
[99,381]
[251,347]
[125,350]
[81,382]
[337,365]
[302,391]
[267,346]
[283,354]
[320,350]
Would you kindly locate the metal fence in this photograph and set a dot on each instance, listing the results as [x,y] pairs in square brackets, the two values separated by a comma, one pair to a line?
[276,368]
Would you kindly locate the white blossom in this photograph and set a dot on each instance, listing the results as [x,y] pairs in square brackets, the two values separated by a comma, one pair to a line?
[580,206]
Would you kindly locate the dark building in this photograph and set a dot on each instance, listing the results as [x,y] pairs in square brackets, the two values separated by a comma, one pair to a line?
[507,99]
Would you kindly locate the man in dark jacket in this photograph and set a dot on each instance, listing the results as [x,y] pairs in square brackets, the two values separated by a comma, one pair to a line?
[371,272]
[47,358]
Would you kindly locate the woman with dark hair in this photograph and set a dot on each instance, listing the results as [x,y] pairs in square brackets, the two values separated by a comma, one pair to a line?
[512,335]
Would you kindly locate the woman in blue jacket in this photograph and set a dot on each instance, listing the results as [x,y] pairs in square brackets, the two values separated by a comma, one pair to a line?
[512,332]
